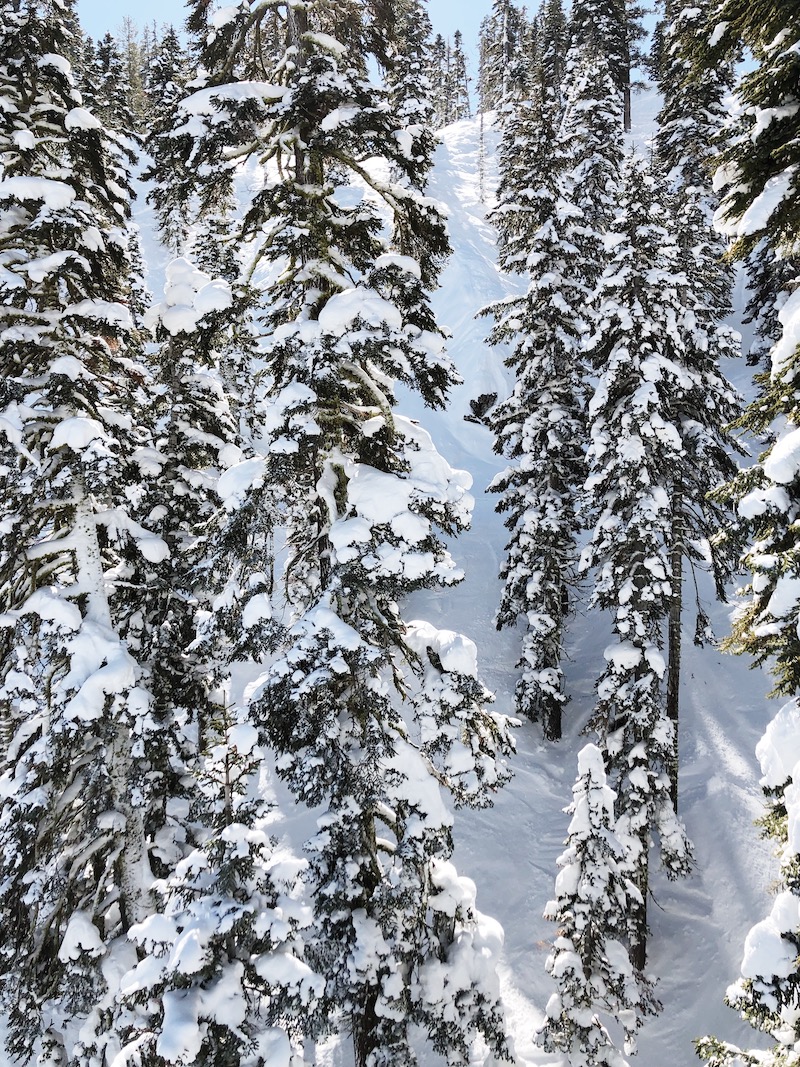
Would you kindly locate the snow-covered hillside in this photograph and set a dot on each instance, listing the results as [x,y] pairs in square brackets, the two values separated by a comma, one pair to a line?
[698,926]
[510,850]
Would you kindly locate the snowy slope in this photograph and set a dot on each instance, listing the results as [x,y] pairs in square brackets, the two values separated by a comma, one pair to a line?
[510,850]
[698,926]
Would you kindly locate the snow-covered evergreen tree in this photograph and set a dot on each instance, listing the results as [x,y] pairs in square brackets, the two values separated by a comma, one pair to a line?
[691,117]
[590,962]
[541,427]
[170,195]
[222,975]
[591,149]
[758,181]
[612,29]
[655,422]
[362,707]
[76,707]
[501,35]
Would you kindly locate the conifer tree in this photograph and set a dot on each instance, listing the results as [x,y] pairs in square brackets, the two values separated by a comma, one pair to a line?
[171,190]
[590,143]
[690,121]
[498,44]
[755,167]
[654,423]
[76,706]
[222,975]
[347,316]
[613,29]
[590,961]
[541,427]
[459,102]
[766,494]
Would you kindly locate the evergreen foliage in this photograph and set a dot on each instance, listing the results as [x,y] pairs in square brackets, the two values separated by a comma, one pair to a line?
[591,151]
[76,706]
[766,993]
[595,890]
[655,422]
[360,491]
[541,427]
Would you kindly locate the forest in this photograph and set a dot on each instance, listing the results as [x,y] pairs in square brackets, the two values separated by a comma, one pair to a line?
[243,738]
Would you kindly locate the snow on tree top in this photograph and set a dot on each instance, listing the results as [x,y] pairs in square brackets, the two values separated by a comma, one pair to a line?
[326,43]
[456,652]
[789,318]
[55,195]
[223,15]
[760,211]
[783,462]
[769,948]
[344,308]
[406,263]
[778,751]
[81,119]
[81,936]
[206,101]
[189,295]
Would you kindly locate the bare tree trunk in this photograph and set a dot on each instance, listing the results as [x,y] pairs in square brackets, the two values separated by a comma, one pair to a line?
[639,930]
[674,639]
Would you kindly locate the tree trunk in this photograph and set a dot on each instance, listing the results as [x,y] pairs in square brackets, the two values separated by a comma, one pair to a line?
[674,640]
[365,1029]
[639,919]
[134,872]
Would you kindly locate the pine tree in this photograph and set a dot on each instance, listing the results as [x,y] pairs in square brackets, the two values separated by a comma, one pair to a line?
[460,107]
[654,424]
[590,962]
[76,706]
[111,96]
[590,143]
[527,157]
[170,195]
[766,494]
[541,426]
[755,165]
[346,316]
[498,44]
[612,29]
[690,121]
[222,976]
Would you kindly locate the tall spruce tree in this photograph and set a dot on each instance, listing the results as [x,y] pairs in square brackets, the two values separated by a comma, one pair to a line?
[591,146]
[540,426]
[171,190]
[766,495]
[498,44]
[654,421]
[612,28]
[76,707]
[385,703]
[761,203]
[595,890]
[690,121]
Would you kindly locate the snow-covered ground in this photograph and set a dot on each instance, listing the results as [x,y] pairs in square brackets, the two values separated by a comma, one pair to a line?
[510,850]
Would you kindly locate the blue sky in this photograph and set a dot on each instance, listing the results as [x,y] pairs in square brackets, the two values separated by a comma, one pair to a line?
[98,16]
